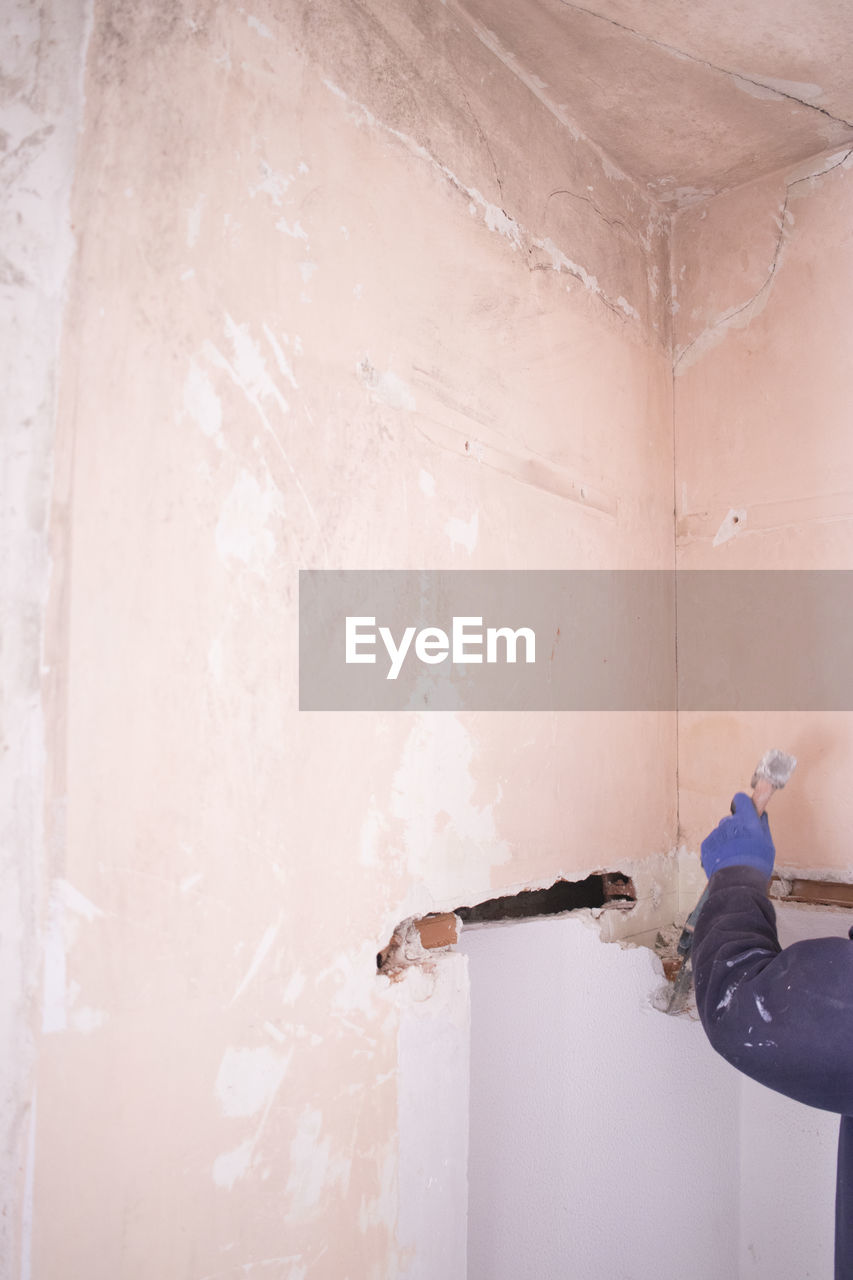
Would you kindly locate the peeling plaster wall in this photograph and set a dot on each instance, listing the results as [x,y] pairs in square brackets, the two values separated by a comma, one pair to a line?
[763,387]
[340,275]
[41,62]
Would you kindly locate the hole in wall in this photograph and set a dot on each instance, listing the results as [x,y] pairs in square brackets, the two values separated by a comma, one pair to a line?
[413,939]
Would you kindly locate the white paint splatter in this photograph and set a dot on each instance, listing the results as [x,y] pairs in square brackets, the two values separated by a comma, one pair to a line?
[426,483]
[463,533]
[258,958]
[447,820]
[733,524]
[625,306]
[759,1004]
[257,25]
[250,367]
[306,270]
[232,1165]
[189,882]
[201,401]
[297,231]
[387,387]
[314,1171]
[354,975]
[87,1019]
[248,1079]
[727,999]
[272,184]
[241,531]
[754,951]
[280,358]
[294,988]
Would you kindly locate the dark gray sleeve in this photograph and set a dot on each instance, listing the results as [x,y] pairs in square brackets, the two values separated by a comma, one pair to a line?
[783,1017]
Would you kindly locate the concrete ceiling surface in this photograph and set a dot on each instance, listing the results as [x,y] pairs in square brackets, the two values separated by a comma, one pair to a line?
[687,98]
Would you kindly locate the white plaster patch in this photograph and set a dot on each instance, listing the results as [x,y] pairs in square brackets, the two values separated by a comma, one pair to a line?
[313,1169]
[248,1079]
[354,973]
[297,231]
[463,533]
[87,1019]
[294,988]
[448,824]
[272,184]
[426,483]
[257,25]
[387,387]
[232,1165]
[250,366]
[59,936]
[497,220]
[733,525]
[241,531]
[201,401]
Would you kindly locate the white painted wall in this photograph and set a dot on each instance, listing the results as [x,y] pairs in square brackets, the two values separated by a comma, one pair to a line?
[434,1039]
[603,1134]
[609,1142]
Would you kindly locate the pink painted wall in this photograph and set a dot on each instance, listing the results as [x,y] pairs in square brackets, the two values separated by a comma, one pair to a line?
[763,387]
[334,265]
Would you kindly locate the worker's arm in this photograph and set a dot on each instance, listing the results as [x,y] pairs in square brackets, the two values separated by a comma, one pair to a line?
[783,1017]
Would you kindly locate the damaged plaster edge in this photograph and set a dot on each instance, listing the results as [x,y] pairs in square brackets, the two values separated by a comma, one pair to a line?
[832,875]
[46,54]
[497,220]
[741,314]
[658,904]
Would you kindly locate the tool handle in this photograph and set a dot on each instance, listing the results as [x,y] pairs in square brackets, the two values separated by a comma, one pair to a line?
[761,794]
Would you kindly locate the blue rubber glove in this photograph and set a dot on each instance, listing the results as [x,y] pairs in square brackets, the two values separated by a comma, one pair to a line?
[743,840]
